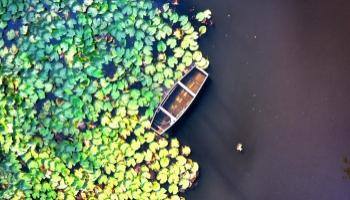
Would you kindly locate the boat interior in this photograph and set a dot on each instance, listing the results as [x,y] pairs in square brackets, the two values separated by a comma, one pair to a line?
[161,121]
[178,101]
[194,80]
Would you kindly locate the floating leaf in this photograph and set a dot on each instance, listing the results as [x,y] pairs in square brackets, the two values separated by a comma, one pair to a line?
[173,189]
[168,83]
[94,72]
[201,16]
[162,178]
[138,45]
[186,150]
[187,60]
[151,30]
[88,2]
[164,162]
[150,69]
[195,167]
[11,34]
[203,63]
[178,52]
[174,17]
[92,11]
[202,30]
[171,42]
[168,73]
[197,56]
[160,67]
[183,20]
[181,160]
[70,55]
[175,197]
[161,46]
[184,183]
[24,30]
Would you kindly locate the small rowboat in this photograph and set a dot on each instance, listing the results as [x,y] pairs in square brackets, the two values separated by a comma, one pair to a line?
[178,99]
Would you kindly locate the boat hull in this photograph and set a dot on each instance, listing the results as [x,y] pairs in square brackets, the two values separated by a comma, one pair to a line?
[178,100]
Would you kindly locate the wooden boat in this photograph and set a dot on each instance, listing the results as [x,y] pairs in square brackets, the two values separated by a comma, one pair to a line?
[178,99]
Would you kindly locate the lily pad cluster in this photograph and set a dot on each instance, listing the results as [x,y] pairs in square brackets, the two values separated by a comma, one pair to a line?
[79,84]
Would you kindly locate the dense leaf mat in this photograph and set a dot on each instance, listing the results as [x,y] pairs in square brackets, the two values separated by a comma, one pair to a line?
[80,81]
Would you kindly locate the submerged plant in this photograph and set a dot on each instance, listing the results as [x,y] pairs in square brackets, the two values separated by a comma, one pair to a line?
[79,84]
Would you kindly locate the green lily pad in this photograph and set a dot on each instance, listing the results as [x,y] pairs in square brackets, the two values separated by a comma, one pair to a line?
[171,42]
[178,52]
[150,69]
[161,46]
[184,183]
[201,16]
[202,30]
[197,55]
[173,189]
[11,34]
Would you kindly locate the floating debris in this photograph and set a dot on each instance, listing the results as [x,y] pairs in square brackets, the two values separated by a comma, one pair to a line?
[239,147]
[175,2]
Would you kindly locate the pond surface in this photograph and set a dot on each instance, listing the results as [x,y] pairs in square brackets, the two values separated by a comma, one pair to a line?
[279,83]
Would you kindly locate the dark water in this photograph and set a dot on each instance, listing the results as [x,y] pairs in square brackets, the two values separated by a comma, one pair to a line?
[280,84]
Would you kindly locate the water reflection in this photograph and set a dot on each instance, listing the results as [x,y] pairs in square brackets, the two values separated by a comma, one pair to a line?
[347,167]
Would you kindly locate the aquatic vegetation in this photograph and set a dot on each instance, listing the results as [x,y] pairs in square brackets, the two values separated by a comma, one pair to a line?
[204,15]
[79,82]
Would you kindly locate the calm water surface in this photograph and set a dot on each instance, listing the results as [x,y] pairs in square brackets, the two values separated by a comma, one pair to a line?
[280,84]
